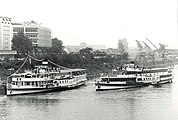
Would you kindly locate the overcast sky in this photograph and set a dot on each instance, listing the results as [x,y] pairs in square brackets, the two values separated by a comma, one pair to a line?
[100,21]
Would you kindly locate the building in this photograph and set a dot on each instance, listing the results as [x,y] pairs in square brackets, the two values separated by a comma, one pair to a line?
[99,54]
[5,39]
[123,45]
[72,48]
[83,45]
[40,36]
[7,54]
[112,51]
[5,33]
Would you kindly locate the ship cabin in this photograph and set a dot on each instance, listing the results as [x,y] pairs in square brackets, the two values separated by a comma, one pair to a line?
[43,76]
[120,79]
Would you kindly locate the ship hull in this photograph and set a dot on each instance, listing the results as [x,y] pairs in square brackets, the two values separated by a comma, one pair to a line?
[102,87]
[164,81]
[23,91]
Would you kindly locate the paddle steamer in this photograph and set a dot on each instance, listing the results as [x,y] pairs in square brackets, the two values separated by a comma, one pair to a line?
[131,76]
[45,78]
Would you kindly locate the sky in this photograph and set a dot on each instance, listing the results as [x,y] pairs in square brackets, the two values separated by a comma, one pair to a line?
[101,22]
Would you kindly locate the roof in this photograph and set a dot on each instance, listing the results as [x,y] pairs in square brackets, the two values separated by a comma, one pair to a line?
[62,71]
[5,17]
[72,70]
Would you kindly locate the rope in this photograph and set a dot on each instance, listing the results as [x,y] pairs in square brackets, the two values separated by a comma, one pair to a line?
[35,58]
[50,62]
[58,65]
[40,61]
[22,64]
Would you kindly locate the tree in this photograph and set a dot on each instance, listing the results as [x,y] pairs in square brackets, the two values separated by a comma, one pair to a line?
[22,44]
[86,51]
[57,46]
[55,53]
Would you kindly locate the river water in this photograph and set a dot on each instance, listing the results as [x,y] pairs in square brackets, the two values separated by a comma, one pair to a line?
[84,103]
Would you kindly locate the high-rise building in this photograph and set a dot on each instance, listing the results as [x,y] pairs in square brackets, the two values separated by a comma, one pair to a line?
[40,36]
[5,33]
[123,45]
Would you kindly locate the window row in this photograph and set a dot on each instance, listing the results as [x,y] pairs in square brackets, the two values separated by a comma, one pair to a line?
[30,29]
[6,38]
[6,22]
[31,35]
[6,26]
[39,83]
[6,30]
[143,79]
[27,29]
[34,40]
[6,34]
[18,29]
[6,19]
[6,43]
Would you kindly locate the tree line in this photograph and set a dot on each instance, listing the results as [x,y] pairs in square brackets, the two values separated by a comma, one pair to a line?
[85,58]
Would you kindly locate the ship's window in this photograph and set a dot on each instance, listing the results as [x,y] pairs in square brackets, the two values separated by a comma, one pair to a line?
[34,76]
[45,75]
[22,83]
[27,76]
[27,83]
[22,75]
[13,83]
[36,83]
[32,83]
[16,76]
[38,75]
[104,79]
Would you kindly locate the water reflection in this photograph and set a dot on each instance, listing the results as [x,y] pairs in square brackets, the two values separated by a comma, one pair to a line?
[3,107]
[148,103]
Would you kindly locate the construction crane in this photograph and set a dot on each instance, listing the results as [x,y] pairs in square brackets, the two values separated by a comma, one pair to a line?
[152,44]
[162,46]
[147,46]
[161,50]
[141,55]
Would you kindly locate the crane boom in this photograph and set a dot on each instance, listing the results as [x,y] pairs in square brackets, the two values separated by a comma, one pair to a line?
[147,46]
[152,44]
[139,45]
